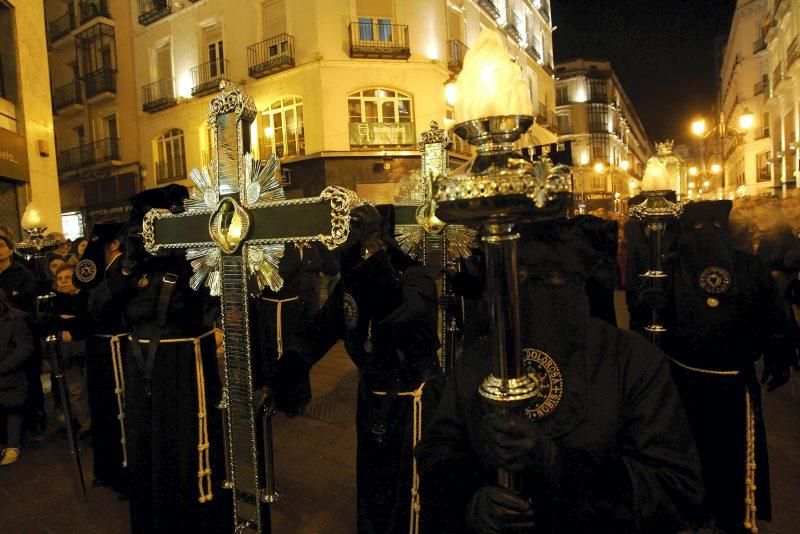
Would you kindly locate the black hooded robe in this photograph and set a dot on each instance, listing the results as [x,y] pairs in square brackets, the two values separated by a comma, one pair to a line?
[627,459]
[394,362]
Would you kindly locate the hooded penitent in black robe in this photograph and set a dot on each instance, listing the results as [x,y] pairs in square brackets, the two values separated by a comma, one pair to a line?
[723,314]
[174,430]
[625,460]
[384,308]
[105,354]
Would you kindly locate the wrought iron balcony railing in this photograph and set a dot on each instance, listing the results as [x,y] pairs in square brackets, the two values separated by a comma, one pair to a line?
[777,76]
[376,39]
[171,169]
[533,47]
[100,81]
[513,26]
[91,9]
[67,95]
[206,76]
[272,55]
[544,9]
[760,87]
[491,7]
[102,151]
[158,95]
[153,10]
[60,27]
[456,50]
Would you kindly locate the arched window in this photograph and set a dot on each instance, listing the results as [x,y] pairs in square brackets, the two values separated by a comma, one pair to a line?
[170,160]
[371,113]
[283,128]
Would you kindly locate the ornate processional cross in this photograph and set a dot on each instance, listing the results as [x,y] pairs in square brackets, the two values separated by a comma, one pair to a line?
[425,237]
[234,230]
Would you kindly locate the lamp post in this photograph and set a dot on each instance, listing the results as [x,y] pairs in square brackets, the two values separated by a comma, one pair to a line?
[699,128]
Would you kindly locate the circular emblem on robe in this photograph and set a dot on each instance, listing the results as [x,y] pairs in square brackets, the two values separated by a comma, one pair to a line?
[85,271]
[549,383]
[712,302]
[143,282]
[350,311]
[715,280]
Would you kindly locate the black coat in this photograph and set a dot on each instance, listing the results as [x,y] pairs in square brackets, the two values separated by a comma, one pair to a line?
[19,284]
[16,346]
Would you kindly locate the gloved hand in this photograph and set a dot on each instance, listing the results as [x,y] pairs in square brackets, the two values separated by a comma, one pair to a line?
[652,297]
[494,510]
[263,401]
[367,226]
[774,376]
[516,444]
[134,249]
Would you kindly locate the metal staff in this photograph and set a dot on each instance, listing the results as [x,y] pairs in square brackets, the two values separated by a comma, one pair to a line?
[494,191]
[37,246]
[655,211]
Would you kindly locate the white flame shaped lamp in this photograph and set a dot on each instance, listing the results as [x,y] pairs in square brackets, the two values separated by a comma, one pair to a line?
[34,226]
[655,210]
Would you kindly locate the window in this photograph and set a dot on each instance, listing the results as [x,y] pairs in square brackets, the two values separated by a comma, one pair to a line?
[214,51]
[379,105]
[598,89]
[762,169]
[162,62]
[598,117]
[564,124]
[169,156]
[283,128]
[72,225]
[274,17]
[110,126]
[600,152]
[374,29]
[562,95]
[765,125]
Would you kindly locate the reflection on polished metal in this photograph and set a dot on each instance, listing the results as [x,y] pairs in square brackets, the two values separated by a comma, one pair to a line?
[37,247]
[494,191]
[436,244]
[234,230]
[655,210]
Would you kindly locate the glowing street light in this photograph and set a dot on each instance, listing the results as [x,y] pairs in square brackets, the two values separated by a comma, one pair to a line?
[625,165]
[450,93]
[747,119]
[716,168]
[599,167]
[693,171]
[706,183]
[699,126]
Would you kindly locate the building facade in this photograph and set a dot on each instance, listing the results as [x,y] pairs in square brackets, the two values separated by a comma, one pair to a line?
[780,28]
[343,87]
[27,162]
[94,103]
[610,147]
[745,90]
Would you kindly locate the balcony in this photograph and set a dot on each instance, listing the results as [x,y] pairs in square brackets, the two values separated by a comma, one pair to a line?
[533,47]
[158,95]
[513,26]
[153,10]
[273,55]
[67,98]
[377,40]
[456,50]
[100,152]
[490,7]
[206,76]
[92,9]
[170,170]
[547,63]
[777,76]
[760,87]
[100,85]
[792,53]
[59,28]
[544,10]
[759,45]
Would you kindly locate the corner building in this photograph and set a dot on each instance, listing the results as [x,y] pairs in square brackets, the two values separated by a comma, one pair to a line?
[343,87]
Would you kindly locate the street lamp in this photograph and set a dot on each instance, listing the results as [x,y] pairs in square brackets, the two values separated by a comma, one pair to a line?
[716,168]
[747,119]
[625,165]
[599,167]
[699,126]
[693,171]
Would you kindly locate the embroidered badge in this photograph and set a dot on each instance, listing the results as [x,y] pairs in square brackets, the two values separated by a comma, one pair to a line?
[350,309]
[712,302]
[549,383]
[715,280]
[143,282]
[85,271]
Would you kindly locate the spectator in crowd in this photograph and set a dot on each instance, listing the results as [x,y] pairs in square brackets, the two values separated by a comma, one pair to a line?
[16,347]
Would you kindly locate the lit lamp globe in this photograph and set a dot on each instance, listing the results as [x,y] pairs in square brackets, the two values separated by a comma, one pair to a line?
[747,119]
[32,219]
[599,167]
[716,168]
[699,126]
[625,165]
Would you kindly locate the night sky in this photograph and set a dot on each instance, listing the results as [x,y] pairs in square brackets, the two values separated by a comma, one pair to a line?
[662,52]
